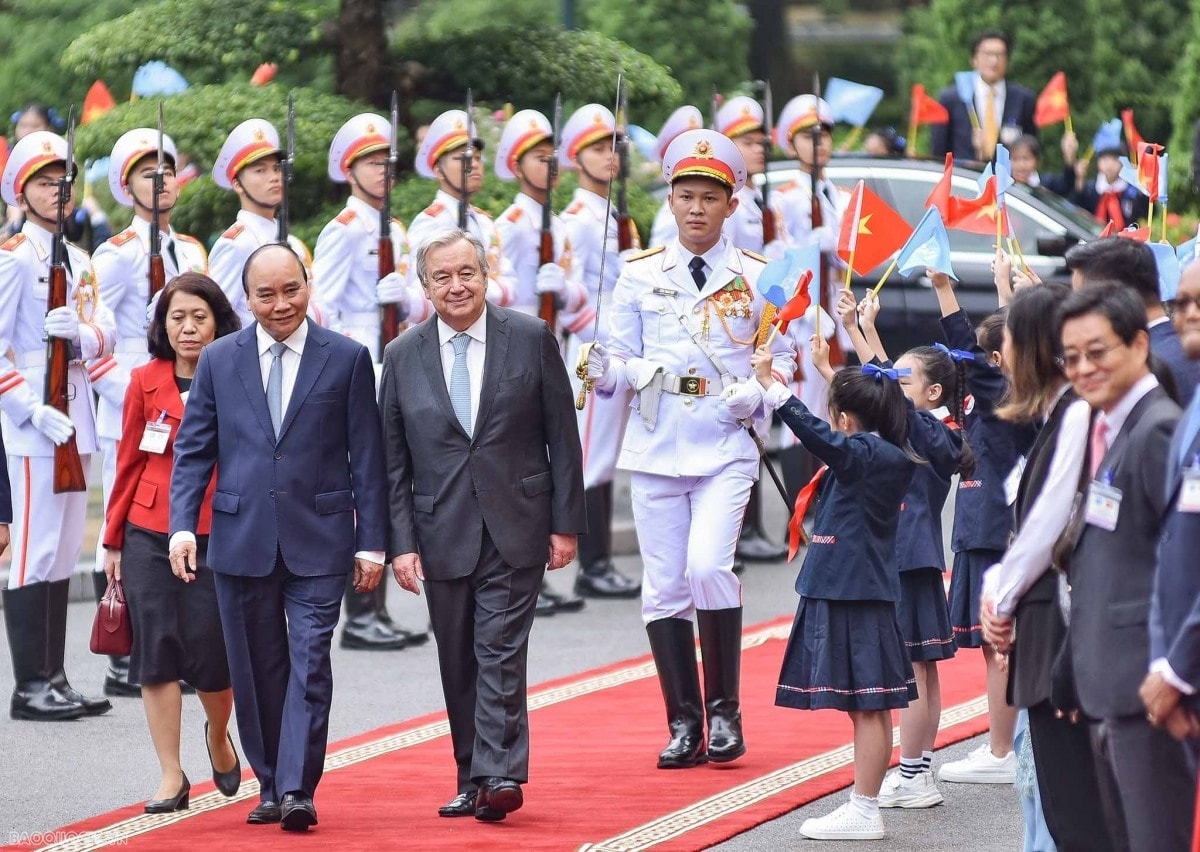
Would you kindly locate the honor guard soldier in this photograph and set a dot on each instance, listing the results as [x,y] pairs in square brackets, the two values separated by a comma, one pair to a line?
[440,157]
[249,164]
[682,120]
[122,269]
[350,291]
[685,321]
[587,147]
[48,536]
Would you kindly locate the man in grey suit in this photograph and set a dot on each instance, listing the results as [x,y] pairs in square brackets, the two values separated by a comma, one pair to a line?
[485,475]
[1145,784]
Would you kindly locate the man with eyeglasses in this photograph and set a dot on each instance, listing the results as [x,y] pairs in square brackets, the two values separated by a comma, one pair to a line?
[1000,111]
[1146,785]
[348,286]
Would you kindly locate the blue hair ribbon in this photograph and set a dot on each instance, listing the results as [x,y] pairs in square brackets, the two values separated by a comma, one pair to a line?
[955,354]
[893,373]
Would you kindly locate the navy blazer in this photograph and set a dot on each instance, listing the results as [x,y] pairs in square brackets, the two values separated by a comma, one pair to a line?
[6,510]
[1175,603]
[318,494]
[1019,105]
[983,519]
[919,535]
[852,553]
[1164,343]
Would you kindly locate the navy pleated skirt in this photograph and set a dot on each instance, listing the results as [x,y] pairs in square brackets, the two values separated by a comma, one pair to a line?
[965,585]
[925,616]
[845,655]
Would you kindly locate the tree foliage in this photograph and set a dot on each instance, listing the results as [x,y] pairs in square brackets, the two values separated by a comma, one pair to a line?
[528,65]
[207,40]
[1186,112]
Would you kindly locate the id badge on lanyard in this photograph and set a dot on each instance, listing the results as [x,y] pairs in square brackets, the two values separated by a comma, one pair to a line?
[156,436]
[1189,490]
[1103,504]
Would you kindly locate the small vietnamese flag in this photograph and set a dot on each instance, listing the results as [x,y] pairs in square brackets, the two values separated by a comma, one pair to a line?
[1147,168]
[264,74]
[1052,103]
[926,109]
[1109,230]
[1132,137]
[976,215]
[798,305]
[940,197]
[871,231]
[1141,235]
[98,102]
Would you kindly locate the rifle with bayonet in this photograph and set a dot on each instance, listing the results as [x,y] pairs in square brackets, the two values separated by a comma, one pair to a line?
[548,303]
[68,466]
[769,225]
[389,327]
[625,225]
[467,161]
[287,167]
[836,357]
[157,274]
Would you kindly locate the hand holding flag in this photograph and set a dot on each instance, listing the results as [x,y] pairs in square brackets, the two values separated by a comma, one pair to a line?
[786,284]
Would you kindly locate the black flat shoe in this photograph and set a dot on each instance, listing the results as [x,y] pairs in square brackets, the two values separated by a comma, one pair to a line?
[562,602]
[178,802]
[462,805]
[264,813]
[296,812]
[497,798]
[227,782]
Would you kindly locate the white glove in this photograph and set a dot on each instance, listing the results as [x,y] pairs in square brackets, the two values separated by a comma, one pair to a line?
[151,308]
[826,237]
[597,363]
[63,322]
[53,424]
[743,399]
[391,289]
[550,279]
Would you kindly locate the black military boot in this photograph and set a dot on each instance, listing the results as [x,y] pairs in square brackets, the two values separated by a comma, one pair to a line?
[25,612]
[721,652]
[56,650]
[754,545]
[674,647]
[364,630]
[597,576]
[116,679]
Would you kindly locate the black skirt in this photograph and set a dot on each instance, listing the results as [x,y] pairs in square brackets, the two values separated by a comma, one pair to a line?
[845,655]
[925,616]
[176,625]
[966,584]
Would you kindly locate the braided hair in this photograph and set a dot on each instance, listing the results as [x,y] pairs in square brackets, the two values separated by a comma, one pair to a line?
[939,368]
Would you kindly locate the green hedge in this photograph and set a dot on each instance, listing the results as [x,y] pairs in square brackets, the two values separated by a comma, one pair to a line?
[526,66]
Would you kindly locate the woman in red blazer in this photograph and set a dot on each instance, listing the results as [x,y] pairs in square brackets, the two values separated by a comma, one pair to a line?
[176,626]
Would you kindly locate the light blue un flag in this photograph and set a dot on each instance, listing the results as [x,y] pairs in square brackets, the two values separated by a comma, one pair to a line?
[928,247]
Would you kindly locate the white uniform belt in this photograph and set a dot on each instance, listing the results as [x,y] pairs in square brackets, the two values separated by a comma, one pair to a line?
[132,345]
[690,385]
[30,360]
[359,317]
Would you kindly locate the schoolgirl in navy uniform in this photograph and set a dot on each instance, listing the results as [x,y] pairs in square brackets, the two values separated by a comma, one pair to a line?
[846,651]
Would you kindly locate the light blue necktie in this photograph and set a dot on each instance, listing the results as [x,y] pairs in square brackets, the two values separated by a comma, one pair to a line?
[1191,425]
[460,381]
[275,386]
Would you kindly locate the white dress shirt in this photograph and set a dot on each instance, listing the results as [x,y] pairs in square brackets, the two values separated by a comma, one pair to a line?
[1115,418]
[476,349]
[981,99]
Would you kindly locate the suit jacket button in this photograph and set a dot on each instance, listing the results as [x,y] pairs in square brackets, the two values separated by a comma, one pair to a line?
[474,492]
[271,492]
[278,456]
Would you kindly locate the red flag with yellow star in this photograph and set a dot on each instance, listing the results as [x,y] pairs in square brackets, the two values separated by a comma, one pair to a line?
[1052,104]
[940,197]
[977,215]
[99,101]
[871,231]
[925,109]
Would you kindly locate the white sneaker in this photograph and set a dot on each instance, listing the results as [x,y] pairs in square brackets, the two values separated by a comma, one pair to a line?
[981,767]
[916,792]
[843,824]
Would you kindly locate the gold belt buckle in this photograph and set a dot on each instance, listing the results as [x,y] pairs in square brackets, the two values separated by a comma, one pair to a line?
[693,385]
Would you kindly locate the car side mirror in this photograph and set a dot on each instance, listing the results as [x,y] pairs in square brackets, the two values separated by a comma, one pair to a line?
[1054,245]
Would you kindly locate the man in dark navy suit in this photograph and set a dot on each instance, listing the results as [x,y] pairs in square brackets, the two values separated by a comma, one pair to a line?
[1004,110]
[285,410]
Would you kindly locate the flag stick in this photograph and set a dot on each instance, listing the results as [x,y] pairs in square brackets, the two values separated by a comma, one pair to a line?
[851,140]
[819,312]
[912,135]
[774,331]
[1070,129]
[1163,236]
[884,277]
[850,266]
[1150,218]
[1017,243]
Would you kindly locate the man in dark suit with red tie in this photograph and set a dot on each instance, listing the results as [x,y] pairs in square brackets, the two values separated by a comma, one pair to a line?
[485,470]
[285,410]
[1003,110]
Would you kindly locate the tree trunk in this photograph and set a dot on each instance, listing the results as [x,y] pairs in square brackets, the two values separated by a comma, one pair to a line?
[363,70]
[770,44]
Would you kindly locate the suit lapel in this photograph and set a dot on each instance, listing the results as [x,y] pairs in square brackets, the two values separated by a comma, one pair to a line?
[166,393]
[312,362]
[431,358]
[251,375]
[496,353]
[1116,452]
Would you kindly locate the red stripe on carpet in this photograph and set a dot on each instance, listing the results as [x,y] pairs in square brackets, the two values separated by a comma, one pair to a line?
[593,775]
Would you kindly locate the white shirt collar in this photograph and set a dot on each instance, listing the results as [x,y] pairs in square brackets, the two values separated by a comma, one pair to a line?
[142,228]
[593,201]
[982,88]
[294,342]
[265,229]
[1116,417]
[476,330]
[369,214]
[714,258]
[528,204]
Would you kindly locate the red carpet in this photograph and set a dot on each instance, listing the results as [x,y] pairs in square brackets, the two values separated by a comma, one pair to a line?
[591,788]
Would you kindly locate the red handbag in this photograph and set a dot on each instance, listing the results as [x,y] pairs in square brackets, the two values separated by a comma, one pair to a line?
[112,632]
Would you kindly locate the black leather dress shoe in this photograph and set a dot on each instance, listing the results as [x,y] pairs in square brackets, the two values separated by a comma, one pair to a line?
[497,798]
[264,813]
[753,547]
[372,635]
[411,637]
[603,580]
[296,812]
[562,603]
[544,606]
[227,782]
[461,805]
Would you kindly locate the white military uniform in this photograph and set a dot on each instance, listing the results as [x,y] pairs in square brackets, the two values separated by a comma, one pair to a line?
[520,232]
[234,247]
[47,535]
[346,270]
[693,467]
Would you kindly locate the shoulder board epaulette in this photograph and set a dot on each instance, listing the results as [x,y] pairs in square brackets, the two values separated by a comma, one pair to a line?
[123,237]
[515,214]
[233,232]
[12,242]
[650,252]
[346,217]
[434,209]
[575,208]
[755,255]
[481,211]
[188,239]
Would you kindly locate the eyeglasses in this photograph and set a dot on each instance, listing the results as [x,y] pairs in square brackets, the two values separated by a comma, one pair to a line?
[992,54]
[1183,303]
[1094,355]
